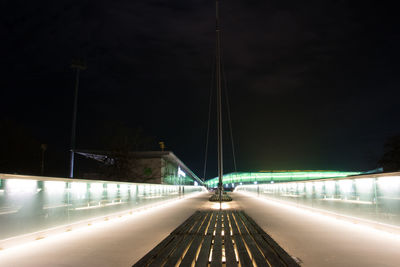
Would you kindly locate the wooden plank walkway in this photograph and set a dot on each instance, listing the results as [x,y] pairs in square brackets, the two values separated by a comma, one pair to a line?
[215,198]
[218,238]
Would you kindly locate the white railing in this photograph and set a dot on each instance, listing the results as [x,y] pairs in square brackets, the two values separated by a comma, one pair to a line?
[32,204]
[373,198]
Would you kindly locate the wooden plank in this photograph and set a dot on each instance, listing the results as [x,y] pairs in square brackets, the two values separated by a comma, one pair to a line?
[230,258]
[268,252]
[199,221]
[193,223]
[162,257]
[183,246]
[160,247]
[244,258]
[195,234]
[178,253]
[216,260]
[183,224]
[239,222]
[224,198]
[191,253]
[186,225]
[211,227]
[283,255]
[248,224]
[202,260]
[235,230]
[219,223]
[205,224]
[251,244]
[153,253]
[255,252]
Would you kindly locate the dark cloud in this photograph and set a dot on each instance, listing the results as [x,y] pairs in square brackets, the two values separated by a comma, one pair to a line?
[312,85]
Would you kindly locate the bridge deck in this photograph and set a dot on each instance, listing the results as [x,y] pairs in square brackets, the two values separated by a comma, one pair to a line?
[224,237]
[315,240]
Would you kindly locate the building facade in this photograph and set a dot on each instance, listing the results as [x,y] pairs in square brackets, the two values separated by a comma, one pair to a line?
[156,167]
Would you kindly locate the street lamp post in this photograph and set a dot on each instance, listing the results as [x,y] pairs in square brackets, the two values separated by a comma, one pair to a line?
[219,103]
[78,65]
[43,148]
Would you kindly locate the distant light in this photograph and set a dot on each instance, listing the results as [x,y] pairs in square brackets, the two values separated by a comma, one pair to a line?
[195,183]
[233,185]
[224,205]
[21,186]
[123,187]
[241,183]
[282,176]
[346,186]
[255,182]
[96,187]
[272,182]
[54,186]
[181,173]
[112,187]
[77,187]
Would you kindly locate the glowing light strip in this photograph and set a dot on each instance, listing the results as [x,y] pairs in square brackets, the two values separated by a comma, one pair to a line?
[277,176]
[150,197]
[99,206]
[115,203]
[56,206]
[8,212]
[349,201]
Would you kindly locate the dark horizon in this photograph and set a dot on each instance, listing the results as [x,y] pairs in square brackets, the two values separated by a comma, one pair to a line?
[311,85]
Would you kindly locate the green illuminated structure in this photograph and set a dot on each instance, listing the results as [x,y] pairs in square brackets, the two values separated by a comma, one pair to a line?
[276,176]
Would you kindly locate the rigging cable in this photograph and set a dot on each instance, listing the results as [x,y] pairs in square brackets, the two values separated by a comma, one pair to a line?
[225,84]
[229,116]
[209,119]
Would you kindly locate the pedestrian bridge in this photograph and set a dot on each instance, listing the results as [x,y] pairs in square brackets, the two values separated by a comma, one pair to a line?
[351,221]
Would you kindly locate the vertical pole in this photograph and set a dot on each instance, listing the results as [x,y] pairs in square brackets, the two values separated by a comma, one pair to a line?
[219,101]
[73,133]
[43,148]
[374,181]
[42,165]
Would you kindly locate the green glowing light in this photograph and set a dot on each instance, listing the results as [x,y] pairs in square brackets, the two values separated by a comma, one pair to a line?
[281,176]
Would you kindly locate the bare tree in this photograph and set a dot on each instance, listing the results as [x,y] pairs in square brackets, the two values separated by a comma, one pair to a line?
[19,150]
[125,165]
[390,160]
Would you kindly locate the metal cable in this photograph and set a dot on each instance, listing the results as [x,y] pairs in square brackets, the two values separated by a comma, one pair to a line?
[209,119]
[228,109]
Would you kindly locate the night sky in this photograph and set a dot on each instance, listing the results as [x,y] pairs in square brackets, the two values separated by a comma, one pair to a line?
[312,85]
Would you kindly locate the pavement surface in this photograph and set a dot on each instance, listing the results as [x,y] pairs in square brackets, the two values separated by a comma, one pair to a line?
[315,240]
[319,240]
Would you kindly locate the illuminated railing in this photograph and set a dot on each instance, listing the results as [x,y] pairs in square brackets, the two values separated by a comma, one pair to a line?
[31,204]
[374,198]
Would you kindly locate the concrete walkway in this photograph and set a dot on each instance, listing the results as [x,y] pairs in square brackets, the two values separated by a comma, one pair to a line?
[114,243]
[319,240]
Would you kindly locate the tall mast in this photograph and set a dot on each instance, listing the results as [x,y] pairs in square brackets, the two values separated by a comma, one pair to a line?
[219,99]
